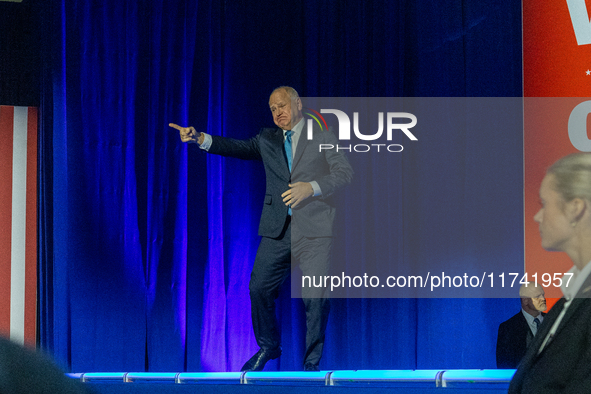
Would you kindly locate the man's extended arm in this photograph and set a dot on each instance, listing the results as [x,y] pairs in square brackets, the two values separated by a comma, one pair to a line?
[241,149]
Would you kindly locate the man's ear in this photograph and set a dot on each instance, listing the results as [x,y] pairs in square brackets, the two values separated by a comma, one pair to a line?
[299,103]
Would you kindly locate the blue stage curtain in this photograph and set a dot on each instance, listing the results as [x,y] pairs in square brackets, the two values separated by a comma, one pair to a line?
[146,245]
[114,196]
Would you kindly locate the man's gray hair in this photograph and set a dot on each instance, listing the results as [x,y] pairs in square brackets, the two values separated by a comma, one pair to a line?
[526,286]
[293,94]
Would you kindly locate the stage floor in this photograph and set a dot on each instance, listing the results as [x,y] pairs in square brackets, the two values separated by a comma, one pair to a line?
[369,381]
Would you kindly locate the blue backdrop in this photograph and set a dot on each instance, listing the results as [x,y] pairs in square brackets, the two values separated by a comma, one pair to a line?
[146,245]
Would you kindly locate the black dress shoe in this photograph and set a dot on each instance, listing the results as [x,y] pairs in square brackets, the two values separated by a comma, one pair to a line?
[258,361]
[311,367]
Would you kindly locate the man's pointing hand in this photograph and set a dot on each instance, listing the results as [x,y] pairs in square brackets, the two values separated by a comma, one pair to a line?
[188,134]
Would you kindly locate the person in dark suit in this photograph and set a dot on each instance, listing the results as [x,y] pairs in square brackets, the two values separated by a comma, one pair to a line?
[517,333]
[23,370]
[559,358]
[297,218]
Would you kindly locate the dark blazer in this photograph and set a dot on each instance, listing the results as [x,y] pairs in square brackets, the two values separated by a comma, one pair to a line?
[513,339]
[26,371]
[315,216]
[564,366]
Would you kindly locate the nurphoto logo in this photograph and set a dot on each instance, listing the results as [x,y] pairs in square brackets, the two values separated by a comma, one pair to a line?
[395,122]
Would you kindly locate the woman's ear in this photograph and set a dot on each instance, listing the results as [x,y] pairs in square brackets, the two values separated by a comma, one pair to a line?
[576,209]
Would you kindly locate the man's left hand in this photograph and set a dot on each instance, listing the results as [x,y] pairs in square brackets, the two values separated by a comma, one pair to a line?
[297,193]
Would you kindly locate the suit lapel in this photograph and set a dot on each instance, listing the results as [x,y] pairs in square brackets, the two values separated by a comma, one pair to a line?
[532,354]
[302,143]
[575,304]
[532,351]
[278,146]
[529,336]
[583,294]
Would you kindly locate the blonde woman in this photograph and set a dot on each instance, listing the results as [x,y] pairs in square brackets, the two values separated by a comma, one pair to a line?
[559,358]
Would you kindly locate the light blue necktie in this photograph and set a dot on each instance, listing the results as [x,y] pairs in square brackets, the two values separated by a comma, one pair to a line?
[287,145]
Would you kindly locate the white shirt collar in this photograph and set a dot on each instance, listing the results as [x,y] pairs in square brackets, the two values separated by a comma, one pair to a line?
[297,128]
[530,318]
[575,283]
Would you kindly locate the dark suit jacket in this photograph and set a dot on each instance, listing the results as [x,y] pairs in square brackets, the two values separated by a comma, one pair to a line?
[315,216]
[564,366]
[25,371]
[512,341]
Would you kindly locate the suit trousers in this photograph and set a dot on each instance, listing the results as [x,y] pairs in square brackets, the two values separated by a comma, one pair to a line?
[271,267]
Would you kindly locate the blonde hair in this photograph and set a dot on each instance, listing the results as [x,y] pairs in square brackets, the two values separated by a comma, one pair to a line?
[572,176]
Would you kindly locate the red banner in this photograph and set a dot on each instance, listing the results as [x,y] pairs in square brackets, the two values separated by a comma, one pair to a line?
[18,223]
[557,84]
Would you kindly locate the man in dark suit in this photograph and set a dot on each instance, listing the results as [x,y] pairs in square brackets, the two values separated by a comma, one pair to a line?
[517,333]
[297,218]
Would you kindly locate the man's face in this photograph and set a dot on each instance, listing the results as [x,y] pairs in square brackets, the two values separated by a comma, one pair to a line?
[535,297]
[555,228]
[286,113]
[539,300]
